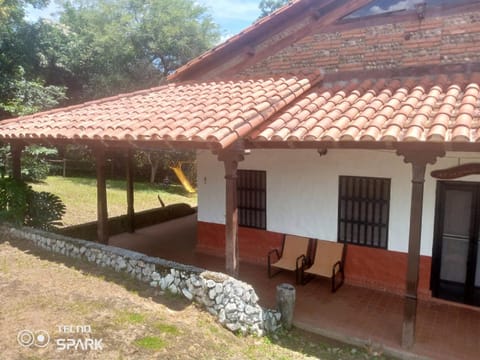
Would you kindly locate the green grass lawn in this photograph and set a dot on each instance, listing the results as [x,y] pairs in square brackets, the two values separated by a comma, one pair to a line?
[80,197]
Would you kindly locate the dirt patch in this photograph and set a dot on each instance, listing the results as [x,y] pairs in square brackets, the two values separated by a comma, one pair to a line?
[100,314]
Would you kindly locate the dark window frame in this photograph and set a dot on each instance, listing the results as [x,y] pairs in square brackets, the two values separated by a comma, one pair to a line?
[252,198]
[364,211]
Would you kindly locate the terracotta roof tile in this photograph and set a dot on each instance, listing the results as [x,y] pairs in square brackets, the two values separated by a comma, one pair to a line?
[440,108]
[219,112]
[437,108]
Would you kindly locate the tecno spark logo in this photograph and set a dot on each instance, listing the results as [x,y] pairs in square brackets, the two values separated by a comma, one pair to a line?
[75,337]
[38,338]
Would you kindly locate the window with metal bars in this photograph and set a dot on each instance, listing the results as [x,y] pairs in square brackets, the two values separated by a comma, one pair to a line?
[252,198]
[363,211]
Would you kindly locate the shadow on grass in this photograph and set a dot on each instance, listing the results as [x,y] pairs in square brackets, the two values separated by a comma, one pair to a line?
[320,347]
[173,302]
[175,189]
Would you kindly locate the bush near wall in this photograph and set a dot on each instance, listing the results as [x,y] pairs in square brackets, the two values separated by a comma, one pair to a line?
[21,205]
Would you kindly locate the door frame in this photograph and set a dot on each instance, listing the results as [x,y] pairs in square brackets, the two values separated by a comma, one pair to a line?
[442,186]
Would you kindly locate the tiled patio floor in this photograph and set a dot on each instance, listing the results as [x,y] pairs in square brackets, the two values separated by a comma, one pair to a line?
[355,314]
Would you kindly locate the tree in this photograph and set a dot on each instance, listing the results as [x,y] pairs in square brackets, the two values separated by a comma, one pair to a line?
[155,160]
[12,11]
[269,6]
[35,165]
[124,45]
[22,89]
[99,48]
[51,49]
[23,97]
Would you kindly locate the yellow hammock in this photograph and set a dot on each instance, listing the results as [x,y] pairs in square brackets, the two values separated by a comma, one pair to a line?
[177,169]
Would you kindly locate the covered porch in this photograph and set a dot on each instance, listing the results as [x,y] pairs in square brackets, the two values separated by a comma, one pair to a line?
[285,113]
[353,314]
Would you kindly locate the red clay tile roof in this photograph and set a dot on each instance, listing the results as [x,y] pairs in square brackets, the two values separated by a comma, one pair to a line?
[433,109]
[429,109]
[215,112]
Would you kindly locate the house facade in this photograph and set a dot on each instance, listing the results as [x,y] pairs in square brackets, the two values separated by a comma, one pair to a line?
[392,71]
[302,197]
[325,119]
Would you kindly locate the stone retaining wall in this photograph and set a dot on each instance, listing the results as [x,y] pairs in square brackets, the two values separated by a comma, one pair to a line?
[234,303]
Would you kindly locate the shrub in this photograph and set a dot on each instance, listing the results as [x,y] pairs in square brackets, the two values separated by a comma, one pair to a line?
[45,210]
[13,201]
[21,205]
[34,162]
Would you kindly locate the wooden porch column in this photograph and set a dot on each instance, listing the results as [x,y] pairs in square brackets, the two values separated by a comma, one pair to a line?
[16,150]
[102,210]
[419,158]
[130,192]
[230,160]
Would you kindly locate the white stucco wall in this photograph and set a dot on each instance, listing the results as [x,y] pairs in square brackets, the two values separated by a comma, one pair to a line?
[302,190]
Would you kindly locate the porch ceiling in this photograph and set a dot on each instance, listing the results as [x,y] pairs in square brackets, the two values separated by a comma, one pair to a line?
[216,113]
[431,109]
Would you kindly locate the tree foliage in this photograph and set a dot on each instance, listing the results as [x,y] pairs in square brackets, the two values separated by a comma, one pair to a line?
[34,163]
[23,87]
[23,97]
[98,48]
[124,45]
[155,160]
[268,6]
[12,11]
[35,166]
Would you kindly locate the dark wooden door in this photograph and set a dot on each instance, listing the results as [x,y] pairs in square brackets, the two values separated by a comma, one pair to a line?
[456,260]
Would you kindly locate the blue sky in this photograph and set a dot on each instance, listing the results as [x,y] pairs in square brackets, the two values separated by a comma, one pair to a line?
[231,15]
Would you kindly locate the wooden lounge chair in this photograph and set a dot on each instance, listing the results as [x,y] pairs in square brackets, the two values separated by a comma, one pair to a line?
[328,262]
[294,251]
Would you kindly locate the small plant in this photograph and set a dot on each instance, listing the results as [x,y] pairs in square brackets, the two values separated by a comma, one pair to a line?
[131,318]
[45,210]
[167,328]
[13,201]
[21,205]
[150,343]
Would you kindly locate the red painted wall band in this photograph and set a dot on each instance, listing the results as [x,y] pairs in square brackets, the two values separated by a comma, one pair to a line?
[364,266]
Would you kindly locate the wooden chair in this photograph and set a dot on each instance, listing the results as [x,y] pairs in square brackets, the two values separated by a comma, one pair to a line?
[293,256]
[328,262]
